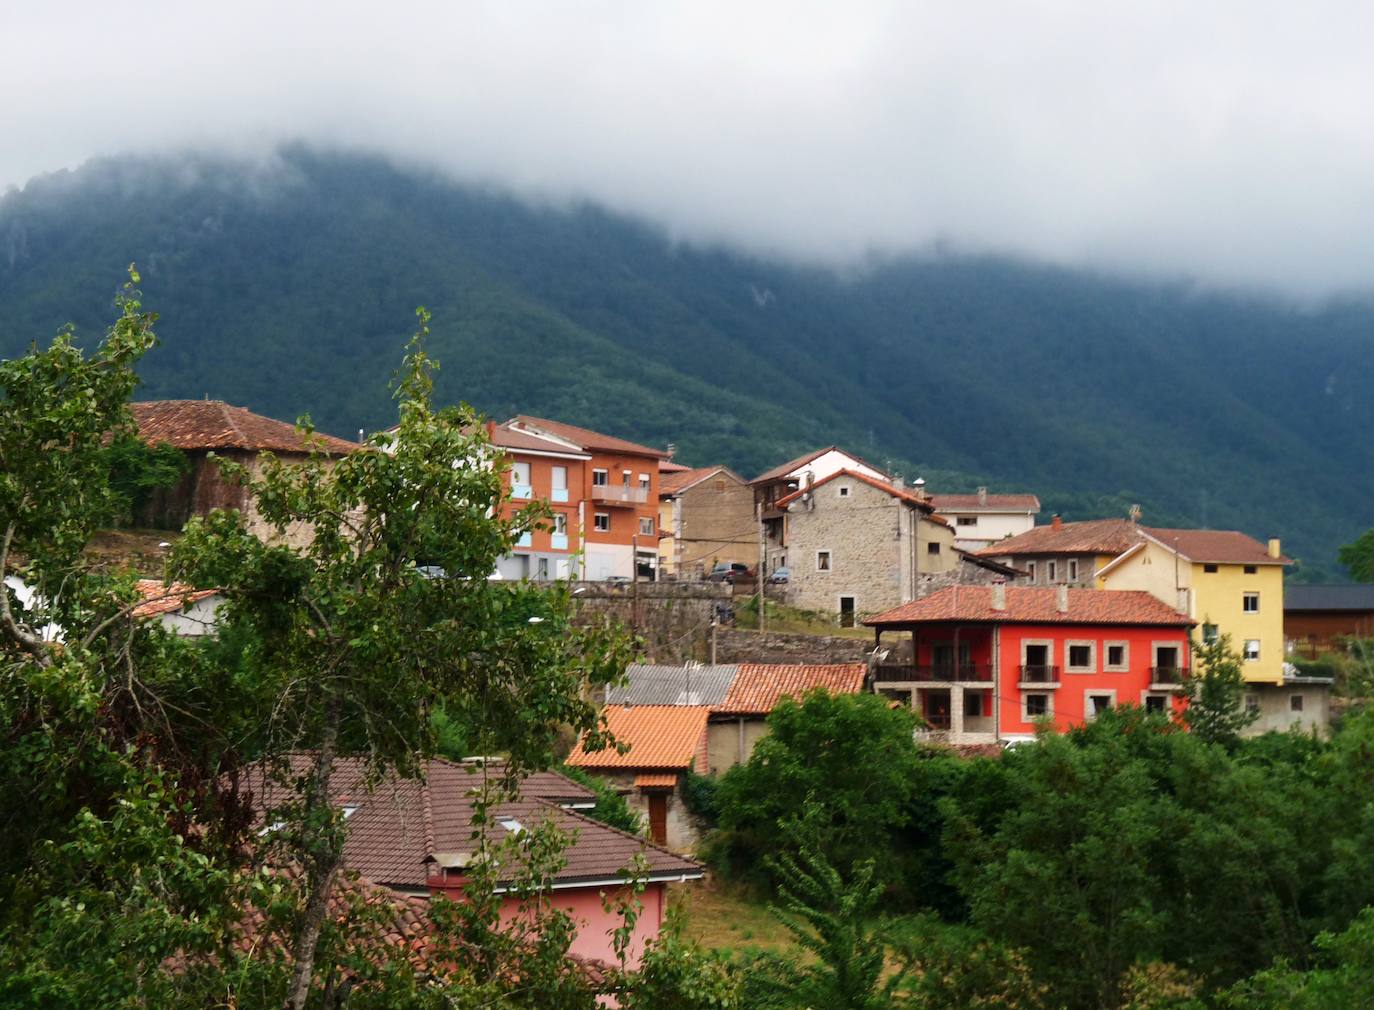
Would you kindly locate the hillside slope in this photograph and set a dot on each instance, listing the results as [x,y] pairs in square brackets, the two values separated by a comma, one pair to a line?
[292,289]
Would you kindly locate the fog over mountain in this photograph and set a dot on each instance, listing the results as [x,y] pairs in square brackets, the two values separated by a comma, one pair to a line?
[1227,143]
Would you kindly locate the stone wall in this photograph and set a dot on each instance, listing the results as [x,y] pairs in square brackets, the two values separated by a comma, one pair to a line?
[739,645]
[673,618]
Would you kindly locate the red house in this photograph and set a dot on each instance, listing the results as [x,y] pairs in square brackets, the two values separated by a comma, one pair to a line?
[983,663]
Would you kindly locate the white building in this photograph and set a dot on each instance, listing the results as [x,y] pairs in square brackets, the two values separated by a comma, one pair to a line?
[982,519]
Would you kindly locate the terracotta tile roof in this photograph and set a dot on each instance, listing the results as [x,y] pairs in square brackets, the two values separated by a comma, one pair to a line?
[585,437]
[758,687]
[668,466]
[1034,605]
[507,437]
[1096,536]
[1220,546]
[214,424]
[654,780]
[670,484]
[802,460]
[988,503]
[905,494]
[659,736]
[164,598]
[398,826]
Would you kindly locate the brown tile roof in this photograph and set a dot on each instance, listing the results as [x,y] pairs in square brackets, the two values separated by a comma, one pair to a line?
[1034,605]
[758,687]
[668,466]
[659,736]
[214,424]
[1220,546]
[585,437]
[399,825]
[802,460]
[164,598]
[990,503]
[506,437]
[670,484]
[1096,536]
[905,494]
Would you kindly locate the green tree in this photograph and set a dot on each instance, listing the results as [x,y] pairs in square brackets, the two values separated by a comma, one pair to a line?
[137,469]
[1358,557]
[852,756]
[1342,978]
[955,967]
[1215,689]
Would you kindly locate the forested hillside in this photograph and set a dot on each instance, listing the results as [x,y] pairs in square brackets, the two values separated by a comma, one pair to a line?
[292,288]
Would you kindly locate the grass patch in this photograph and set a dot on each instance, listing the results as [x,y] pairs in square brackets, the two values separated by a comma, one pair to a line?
[724,918]
[791,619]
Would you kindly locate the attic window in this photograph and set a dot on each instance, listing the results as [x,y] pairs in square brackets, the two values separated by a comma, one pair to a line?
[844,490]
[1252,569]
[513,826]
[932,548]
[1209,569]
[967,520]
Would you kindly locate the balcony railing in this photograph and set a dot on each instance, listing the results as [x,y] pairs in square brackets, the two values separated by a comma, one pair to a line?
[619,494]
[1167,675]
[1039,675]
[890,672]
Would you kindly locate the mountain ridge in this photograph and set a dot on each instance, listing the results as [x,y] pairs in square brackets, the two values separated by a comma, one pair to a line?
[293,290]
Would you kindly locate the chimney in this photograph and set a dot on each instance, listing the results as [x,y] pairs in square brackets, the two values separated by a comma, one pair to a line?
[919,486]
[982,496]
[672,450]
[999,596]
[1061,599]
[1274,551]
[1056,523]
[897,480]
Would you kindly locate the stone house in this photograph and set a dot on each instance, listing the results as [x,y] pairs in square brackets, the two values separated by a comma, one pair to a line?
[854,544]
[665,742]
[707,515]
[200,427]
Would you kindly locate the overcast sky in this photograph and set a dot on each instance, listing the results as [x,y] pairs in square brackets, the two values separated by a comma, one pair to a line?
[1228,141]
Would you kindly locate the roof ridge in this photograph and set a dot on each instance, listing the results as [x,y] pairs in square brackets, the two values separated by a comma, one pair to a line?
[646,842]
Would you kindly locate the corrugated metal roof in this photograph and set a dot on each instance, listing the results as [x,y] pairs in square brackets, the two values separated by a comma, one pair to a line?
[1354,597]
[654,684]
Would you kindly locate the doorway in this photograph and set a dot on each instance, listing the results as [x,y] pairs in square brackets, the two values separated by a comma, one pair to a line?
[935,708]
[658,817]
[846,611]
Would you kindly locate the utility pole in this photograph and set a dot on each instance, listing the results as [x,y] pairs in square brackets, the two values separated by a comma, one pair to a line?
[763,604]
[634,582]
[715,623]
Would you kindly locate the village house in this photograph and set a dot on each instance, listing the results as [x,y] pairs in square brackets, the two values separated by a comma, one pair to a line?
[981,519]
[983,664]
[416,838]
[1317,619]
[619,494]
[1228,583]
[791,476]
[180,608]
[665,742]
[857,544]
[740,697]
[707,516]
[200,427]
[551,470]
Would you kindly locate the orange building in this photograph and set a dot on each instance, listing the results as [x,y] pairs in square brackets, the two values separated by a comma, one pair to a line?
[619,498]
[552,470]
[986,663]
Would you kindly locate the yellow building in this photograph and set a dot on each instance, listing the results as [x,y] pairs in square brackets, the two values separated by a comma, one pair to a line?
[1228,582]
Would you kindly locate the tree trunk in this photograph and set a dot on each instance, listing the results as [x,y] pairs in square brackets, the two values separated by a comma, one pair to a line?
[324,853]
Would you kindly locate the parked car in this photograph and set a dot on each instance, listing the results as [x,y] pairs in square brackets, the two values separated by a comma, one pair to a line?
[780,577]
[731,571]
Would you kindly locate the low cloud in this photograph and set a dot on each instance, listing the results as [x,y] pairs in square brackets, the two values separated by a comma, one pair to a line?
[1228,142]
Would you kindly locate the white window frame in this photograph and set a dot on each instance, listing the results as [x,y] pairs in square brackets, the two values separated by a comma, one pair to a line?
[521,488]
[642,531]
[558,483]
[1245,600]
[644,482]
[1071,570]
[1030,570]
[1210,633]
[1164,695]
[1089,693]
[1124,666]
[560,523]
[1051,571]
[603,474]
[829,561]
[1245,653]
[597,524]
[1049,705]
[1091,645]
[625,476]
[842,490]
[966,521]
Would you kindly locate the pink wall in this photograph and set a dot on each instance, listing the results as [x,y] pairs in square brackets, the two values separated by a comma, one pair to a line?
[594,923]
[1070,695]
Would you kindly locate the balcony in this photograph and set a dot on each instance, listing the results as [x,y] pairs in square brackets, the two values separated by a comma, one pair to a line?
[1039,675]
[618,494]
[888,673]
[1171,676]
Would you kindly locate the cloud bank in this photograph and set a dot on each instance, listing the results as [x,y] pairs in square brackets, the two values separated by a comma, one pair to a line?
[1232,142]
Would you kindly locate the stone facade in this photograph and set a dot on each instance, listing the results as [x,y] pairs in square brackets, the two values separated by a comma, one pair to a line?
[737,645]
[712,521]
[683,832]
[672,618]
[852,547]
